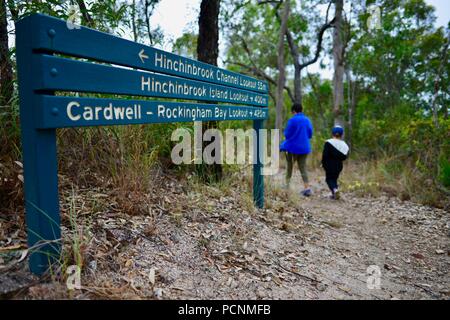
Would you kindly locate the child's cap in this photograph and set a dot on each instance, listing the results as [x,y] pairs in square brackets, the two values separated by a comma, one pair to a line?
[337,130]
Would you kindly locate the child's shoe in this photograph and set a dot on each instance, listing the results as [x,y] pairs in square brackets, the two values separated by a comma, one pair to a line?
[307,192]
[336,194]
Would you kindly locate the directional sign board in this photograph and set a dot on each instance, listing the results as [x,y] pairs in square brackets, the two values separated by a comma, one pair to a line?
[58,112]
[62,71]
[99,46]
[60,74]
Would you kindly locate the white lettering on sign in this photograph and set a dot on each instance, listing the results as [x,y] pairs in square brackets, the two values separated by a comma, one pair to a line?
[192,113]
[181,65]
[227,78]
[76,112]
[70,105]
[109,112]
[178,65]
[248,83]
[238,113]
[171,87]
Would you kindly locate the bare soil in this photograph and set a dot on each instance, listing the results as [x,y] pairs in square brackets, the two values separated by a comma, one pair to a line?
[208,243]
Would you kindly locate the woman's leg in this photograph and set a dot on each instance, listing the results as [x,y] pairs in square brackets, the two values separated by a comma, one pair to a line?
[301,160]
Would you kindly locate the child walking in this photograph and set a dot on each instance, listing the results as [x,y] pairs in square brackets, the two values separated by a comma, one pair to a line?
[335,151]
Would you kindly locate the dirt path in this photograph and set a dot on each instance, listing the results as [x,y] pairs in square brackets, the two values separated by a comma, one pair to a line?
[316,248]
[195,246]
[407,243]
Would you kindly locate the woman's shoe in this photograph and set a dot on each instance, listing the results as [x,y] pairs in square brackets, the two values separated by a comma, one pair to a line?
[307,192]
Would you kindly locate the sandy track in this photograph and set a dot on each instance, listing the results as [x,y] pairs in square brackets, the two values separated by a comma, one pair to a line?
[197,247]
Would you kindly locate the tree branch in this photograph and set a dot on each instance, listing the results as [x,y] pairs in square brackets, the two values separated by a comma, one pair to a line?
[147,20]
[296,55]
[328,10]
[261,72]
[315,91]
[324,28]
[85,13]
[14,11]
[258,72]
[270,1]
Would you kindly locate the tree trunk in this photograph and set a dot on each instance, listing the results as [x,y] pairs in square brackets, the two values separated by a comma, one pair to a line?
[351,86]
[445,112]
[281,68]
[6,73]
[133,21]
[147,21]
[297,68]
[297,83]
[316,93]
[13,9]
[338,59]
[437,79]
[208,52]
[87,19]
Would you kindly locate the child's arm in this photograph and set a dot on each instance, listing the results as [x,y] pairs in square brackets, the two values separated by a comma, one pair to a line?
[341,156]
[325,154]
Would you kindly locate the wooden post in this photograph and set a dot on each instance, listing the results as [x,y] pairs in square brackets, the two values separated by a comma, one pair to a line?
[258,178]
[39,163]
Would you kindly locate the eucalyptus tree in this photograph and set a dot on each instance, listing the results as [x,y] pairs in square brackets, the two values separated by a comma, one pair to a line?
[398,60]
[208,51]
[338,59]
[253,32]
[6,70]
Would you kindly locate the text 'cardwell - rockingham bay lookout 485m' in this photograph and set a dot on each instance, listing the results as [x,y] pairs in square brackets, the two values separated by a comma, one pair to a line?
[60,70]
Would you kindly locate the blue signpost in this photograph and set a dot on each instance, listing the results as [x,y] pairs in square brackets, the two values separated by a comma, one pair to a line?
[43,72]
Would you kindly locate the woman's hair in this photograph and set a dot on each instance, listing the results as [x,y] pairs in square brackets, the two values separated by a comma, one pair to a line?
[297,108]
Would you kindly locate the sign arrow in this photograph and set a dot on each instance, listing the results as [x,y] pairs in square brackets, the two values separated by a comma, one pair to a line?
[142,55]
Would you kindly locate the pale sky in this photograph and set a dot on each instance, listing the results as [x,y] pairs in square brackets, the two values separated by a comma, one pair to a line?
[442,11]
[175,16]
